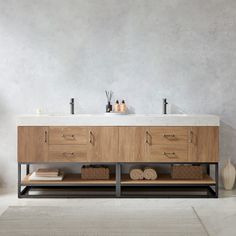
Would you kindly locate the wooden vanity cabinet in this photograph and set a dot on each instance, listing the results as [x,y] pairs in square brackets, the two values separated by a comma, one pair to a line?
[83,144]
[32,144]
[153,144]
[103,144]
[132,144]
[204,144]
[168,144]
[118,144]
[68,144]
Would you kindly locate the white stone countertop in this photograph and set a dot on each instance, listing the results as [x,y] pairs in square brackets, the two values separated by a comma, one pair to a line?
[118,120]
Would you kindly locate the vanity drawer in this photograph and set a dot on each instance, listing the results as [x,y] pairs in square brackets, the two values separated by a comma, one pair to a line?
[167,153]
[67,153]
[167,135]
[68,135]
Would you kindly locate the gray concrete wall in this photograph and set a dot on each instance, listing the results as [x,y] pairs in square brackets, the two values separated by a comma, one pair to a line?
[143,50]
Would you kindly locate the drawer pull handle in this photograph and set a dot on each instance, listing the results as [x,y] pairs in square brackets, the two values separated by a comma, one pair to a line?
[91,137]
[191,137]
[68,154]
[170,136]
[148,138]
[45,136]
[170,154]
[68,136]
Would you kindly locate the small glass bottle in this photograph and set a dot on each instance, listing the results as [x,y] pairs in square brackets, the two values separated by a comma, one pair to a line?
[123,107]
[117,106]
[108,107]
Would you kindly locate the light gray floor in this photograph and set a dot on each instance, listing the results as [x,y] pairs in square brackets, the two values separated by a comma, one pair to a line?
[216,216]
[145,220]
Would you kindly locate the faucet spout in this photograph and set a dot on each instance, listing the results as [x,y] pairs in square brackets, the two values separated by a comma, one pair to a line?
[165,105]
[72,107]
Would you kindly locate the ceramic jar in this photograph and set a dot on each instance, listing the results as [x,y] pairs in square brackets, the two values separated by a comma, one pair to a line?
[228,175]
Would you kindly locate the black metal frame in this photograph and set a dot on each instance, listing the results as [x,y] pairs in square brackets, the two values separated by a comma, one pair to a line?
[117,189]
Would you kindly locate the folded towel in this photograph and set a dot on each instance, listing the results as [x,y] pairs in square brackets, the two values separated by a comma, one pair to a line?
[49,172]
[34,177]
[149,173]
[136,174]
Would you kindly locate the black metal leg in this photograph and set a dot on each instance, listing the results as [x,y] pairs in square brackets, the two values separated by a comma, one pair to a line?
[27,169]
[19,181]
[208,169]
[217,179]
[118,177]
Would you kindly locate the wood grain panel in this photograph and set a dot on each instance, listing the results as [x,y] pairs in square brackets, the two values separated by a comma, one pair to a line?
[68,153]
[131,144]
[103,144]
[204,145]
[166,153]
[166,179]
[181,130]
[32,144]
[69,179]
[68,135]
[168,135]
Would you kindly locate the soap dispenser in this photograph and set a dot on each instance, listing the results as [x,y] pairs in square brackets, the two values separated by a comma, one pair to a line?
[123,107]
[117,106]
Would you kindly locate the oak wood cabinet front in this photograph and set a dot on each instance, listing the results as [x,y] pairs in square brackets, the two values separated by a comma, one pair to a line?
[204,144]
[32,144]
[132,144]
[118,144]
[103,144]
[167,144]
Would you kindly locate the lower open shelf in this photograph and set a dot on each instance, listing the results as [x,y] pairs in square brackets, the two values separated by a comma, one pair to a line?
[68,180]
[165,179]
[75,180]
[119,185]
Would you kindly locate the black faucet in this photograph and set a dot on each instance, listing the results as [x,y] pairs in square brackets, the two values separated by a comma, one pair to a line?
[165,106]
[72,107]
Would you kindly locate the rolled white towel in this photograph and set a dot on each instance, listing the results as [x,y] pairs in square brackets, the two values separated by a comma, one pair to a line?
[136,174]
[149,173]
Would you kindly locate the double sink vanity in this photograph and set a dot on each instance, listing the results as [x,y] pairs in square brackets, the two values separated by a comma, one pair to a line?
[118,141]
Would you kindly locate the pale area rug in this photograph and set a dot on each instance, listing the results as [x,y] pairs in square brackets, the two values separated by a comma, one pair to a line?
[100,221]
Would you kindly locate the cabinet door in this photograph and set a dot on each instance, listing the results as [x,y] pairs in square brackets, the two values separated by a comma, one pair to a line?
[131,144]
[32,144]
[204,144]
[103,144]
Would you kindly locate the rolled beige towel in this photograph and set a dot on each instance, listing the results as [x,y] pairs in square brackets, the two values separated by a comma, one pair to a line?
[149,173]
[136,174]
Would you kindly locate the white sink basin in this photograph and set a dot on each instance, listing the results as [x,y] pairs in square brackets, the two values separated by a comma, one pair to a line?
[118,120]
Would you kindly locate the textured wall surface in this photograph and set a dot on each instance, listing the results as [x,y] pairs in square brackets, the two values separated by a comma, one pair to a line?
[143,50]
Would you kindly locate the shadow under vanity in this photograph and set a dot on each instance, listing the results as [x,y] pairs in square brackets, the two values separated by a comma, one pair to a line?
[119,143]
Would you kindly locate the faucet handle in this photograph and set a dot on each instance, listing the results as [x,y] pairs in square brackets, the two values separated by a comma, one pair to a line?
[72,100]
[164,105]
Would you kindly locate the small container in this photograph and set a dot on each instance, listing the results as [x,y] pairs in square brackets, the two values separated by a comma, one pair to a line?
[123,107]
[117,106]
[38,111]
[108,107]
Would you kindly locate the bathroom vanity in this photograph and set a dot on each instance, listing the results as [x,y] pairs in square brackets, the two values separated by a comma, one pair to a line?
[118,141]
